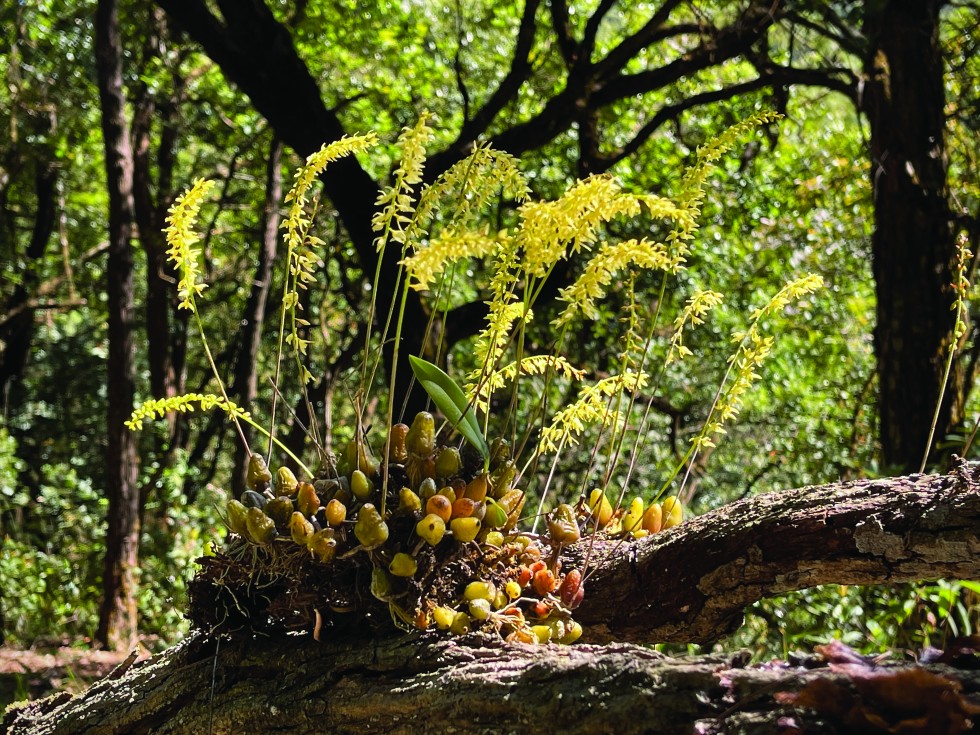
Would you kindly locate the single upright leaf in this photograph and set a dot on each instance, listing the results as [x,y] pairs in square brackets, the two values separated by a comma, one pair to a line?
[450,399]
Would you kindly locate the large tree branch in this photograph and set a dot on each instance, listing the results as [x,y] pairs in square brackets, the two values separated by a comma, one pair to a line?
[616,59]
[601,84]
[686,585]
[726,44]
[692,585]
[475,686]
[689,583]
[770,77]
[506,92]
[561,25]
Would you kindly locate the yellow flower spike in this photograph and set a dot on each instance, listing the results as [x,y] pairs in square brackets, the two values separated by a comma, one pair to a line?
[427,263]
[181,238]
[591,407]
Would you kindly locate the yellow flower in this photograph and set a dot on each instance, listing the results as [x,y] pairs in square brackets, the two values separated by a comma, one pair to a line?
[181,238]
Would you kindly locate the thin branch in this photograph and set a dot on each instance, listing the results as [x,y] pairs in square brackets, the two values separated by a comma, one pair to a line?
[587,46]
[627,49]
[506,92]
[562,26]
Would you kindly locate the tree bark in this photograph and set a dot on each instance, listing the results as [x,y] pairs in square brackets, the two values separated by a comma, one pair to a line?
[244,384]
[424,684]
[117,613]
[692,586]
[17,332]
[913,246]
[916,527]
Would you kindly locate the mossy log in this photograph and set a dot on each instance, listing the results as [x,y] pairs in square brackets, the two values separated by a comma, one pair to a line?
[687,584]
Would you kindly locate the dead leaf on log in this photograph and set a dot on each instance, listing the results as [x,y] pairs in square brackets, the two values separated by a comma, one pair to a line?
[963,653]
[908,701]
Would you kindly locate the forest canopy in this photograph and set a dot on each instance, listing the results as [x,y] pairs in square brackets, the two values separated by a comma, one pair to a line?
[855,160]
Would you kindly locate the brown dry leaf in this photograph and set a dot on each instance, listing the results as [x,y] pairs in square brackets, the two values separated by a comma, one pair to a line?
[836,652]
[963,653]
[904,702]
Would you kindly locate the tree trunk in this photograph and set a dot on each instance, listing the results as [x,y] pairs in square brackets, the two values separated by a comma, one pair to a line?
[17,332]
[244,386]
[117,613]
[913,246]
[907,528]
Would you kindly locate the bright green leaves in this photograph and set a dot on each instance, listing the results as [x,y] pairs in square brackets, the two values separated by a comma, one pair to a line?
[450,399]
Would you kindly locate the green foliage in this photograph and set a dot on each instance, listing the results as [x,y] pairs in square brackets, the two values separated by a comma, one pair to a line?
[450,399]
[874,619]
[51,568]
[53,553]
[801,205]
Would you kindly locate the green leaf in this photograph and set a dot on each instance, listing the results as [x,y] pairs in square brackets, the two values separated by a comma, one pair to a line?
[450,399]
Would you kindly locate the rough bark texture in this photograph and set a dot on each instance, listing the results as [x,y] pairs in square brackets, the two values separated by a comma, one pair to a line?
[693,583]
[17,331]
[117,614]
[913,246]
[424,684]
[889,530]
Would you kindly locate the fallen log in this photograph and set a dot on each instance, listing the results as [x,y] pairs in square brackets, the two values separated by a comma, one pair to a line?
[690,583]
[424,683]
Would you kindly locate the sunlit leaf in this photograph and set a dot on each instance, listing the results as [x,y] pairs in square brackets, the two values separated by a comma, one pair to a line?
[450,399]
